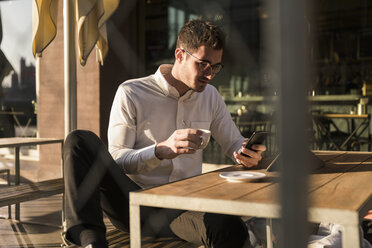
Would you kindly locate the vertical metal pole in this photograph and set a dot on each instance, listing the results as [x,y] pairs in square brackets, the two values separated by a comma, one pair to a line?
[17,180]
[294,123]
[64,227]
[37,78]
[9,206]
[70,66]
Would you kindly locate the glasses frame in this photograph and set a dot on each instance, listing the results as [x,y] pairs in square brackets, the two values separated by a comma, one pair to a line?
[216,68]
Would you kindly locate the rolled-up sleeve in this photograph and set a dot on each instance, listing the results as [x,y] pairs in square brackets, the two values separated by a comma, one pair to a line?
[122,137]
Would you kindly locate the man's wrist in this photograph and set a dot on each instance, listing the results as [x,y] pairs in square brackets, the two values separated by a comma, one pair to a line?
[157,152]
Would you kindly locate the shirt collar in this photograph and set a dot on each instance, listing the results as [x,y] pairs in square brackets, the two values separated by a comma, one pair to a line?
[168,89]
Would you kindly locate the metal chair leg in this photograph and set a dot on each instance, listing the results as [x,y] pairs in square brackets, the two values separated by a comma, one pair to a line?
[7,171]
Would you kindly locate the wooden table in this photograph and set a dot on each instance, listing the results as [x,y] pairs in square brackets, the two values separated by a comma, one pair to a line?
[17,143]
[340,192]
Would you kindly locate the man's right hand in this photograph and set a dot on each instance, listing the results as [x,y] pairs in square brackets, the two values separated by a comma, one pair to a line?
[182,141]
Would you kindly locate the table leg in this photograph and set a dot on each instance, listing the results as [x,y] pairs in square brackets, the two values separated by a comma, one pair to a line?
[135,225]
[17,180]
[351,236]
[269,232]
[10,206]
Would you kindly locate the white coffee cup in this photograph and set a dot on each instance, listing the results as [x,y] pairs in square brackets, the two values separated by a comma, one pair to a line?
[205,138]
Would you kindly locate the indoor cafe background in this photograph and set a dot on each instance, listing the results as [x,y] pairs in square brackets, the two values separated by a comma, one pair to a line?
[299,69]
[340,51]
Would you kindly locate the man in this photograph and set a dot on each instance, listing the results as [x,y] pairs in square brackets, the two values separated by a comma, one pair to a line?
[154,138]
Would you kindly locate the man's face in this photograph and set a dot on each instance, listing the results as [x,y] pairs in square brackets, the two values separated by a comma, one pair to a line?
[199,67]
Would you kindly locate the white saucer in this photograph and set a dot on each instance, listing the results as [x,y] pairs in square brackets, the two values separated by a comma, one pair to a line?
[241,176]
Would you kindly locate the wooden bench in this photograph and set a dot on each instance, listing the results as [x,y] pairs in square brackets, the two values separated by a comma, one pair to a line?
[32,191]
[20,193]
[117,238]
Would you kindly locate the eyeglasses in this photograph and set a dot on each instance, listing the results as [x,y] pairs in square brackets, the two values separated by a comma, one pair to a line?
[204,65]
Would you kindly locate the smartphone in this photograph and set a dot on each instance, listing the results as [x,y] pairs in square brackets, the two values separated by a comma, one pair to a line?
[256,138]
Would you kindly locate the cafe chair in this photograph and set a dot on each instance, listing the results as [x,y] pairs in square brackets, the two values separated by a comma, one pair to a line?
[327,135]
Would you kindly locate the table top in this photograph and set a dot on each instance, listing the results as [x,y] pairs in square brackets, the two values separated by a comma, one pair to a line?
[339,192]
[22,141]
[351,116]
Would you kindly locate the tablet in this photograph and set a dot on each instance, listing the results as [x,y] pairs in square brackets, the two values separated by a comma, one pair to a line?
[272,163]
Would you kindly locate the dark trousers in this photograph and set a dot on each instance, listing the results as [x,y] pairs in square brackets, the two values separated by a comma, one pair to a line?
[94,184]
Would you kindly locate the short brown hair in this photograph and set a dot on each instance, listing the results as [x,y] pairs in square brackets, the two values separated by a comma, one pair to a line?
[196,33]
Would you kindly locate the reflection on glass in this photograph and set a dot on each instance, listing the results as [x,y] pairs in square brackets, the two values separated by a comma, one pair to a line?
[339,37]
[17,70]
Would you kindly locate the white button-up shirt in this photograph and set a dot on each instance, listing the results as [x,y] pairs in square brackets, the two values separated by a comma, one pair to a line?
[148,110]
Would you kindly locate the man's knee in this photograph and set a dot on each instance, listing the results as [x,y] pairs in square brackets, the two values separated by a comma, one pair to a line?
[225,230]
[82,141]
[79,137]
[82,146]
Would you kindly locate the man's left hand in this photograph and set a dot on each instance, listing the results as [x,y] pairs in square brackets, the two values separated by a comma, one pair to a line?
[253,156]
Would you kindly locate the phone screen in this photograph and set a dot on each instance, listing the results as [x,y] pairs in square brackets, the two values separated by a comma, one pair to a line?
[256,138]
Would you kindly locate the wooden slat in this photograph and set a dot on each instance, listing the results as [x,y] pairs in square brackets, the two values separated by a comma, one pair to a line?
[350,185]
[347,159]
[193,184]
[333,169]
[27,192]
[270,194]
[328,155]
[231,191]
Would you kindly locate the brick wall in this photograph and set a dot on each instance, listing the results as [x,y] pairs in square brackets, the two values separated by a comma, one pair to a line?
[51,101]
[50,104]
